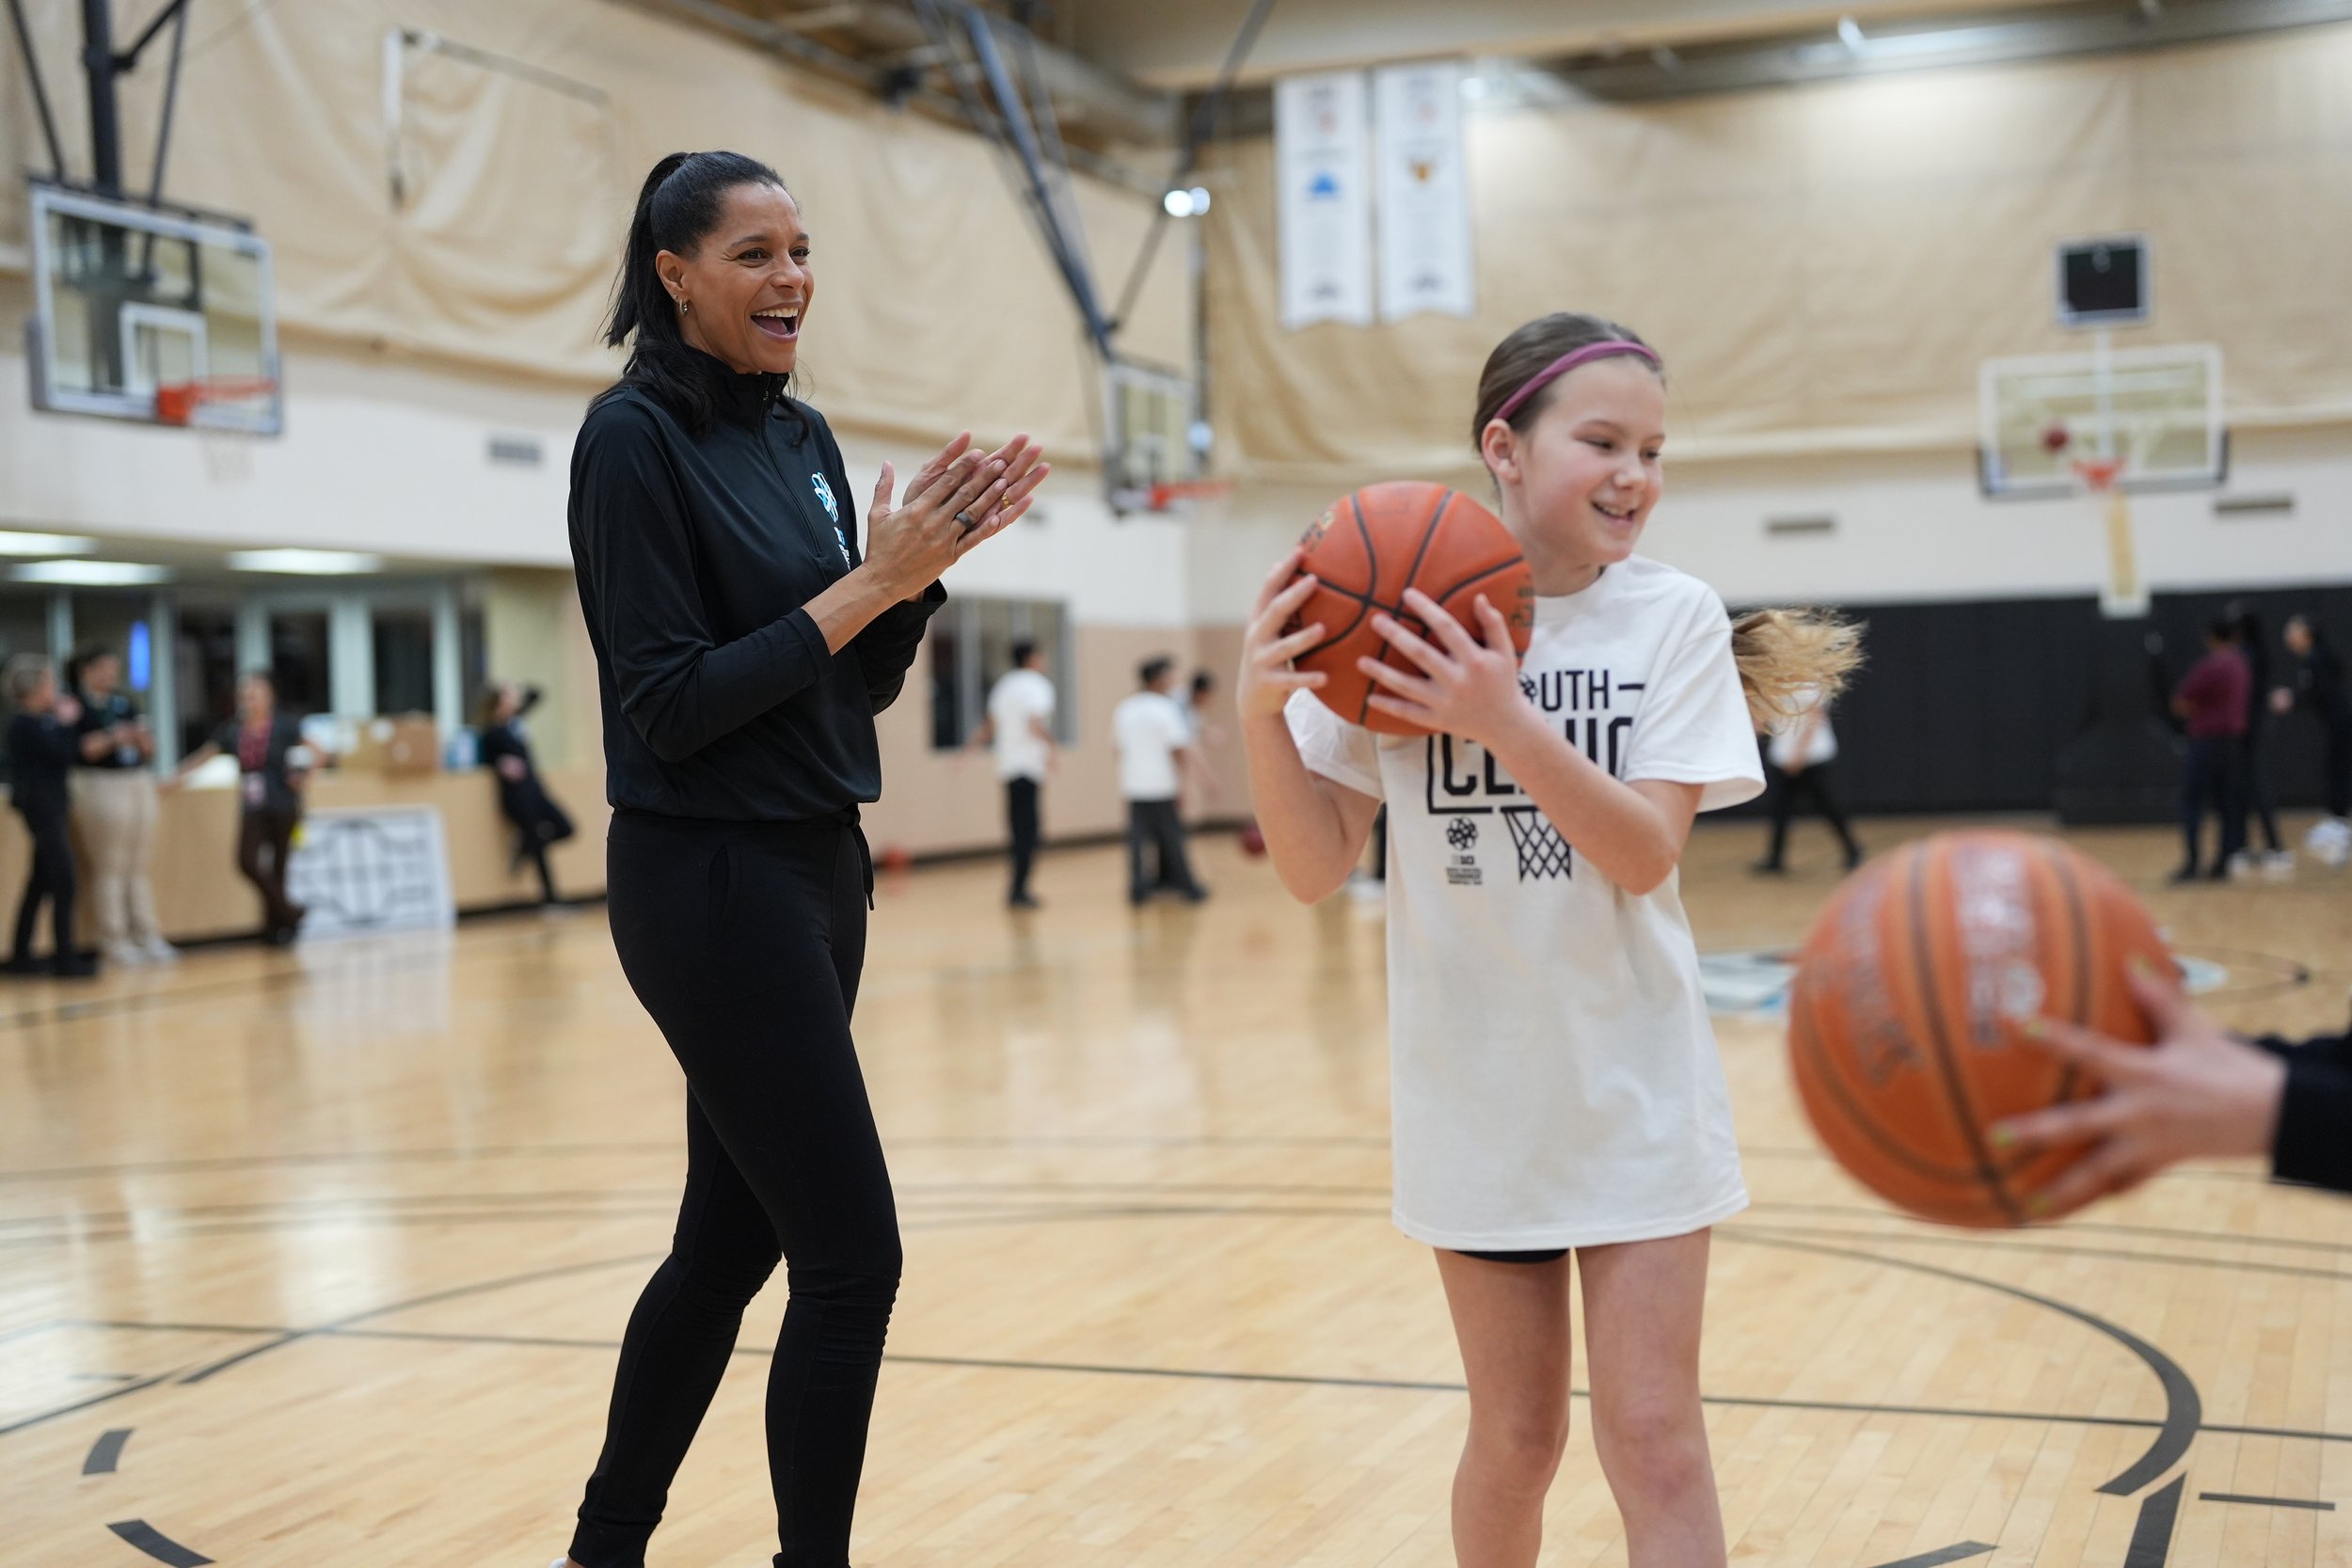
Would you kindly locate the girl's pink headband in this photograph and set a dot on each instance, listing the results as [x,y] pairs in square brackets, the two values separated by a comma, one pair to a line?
[1568,362]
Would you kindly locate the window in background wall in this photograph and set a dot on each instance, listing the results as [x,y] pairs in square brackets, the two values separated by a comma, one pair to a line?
[297,659]
[971,645]
[403,660]
[204,670]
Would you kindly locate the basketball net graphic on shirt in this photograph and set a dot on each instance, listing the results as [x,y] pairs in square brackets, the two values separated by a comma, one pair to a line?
[1464,781]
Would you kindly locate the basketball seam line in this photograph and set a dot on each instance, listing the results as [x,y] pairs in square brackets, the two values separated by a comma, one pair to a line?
[1475,576]
[1428,531]
[1962,1110]
[1810,1037]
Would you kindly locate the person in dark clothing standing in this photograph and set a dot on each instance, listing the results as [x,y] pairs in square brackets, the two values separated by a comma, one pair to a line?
[2198,1093]
[2255,804]
[1799,754]
[273,766]
[2317,686]
[743,647]
[539,822]
[43,749]
[2211,704]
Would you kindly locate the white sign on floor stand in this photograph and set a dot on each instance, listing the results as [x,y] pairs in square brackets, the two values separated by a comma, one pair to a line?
[369,871]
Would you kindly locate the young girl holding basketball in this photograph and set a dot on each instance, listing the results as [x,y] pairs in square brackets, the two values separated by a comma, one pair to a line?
[1556,1088]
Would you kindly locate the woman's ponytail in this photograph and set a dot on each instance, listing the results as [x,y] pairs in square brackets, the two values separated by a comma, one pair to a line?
[678,206]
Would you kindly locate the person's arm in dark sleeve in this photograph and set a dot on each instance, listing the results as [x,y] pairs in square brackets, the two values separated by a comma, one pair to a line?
[679,687]
[885,649]
[2334,1051]
[2313,1143]
[55,743]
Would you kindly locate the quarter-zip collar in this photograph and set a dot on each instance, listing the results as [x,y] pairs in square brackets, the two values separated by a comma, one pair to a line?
[739,400]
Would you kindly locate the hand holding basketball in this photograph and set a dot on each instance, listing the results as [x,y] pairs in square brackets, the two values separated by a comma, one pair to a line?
[2198,1093]
[1267,679]
[1466,688]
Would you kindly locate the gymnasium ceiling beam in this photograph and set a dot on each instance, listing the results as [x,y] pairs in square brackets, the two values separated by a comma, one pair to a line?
[1180,45]
[883,45]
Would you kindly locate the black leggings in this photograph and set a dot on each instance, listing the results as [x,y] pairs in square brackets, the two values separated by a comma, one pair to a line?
[744,941]
[50,877]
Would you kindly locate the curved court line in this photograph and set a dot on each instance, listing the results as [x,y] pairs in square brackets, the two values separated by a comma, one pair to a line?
[2183,1409]
[106,1453]
[155,1543]
[215,1368]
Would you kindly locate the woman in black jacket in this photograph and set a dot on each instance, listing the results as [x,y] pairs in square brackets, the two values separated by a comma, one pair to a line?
[539,822]
[743,647]
[43,749]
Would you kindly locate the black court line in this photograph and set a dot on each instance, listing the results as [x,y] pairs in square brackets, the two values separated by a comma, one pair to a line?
[107,1452]
[215,1368]
[1849,1407]
[2152,1536]
[21,1423]
[2266,1502]
[2121,1255]
[155,1543]
[2184,1409]
[1940,1556]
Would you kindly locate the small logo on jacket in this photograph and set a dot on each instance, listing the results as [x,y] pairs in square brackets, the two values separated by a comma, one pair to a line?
[824,493]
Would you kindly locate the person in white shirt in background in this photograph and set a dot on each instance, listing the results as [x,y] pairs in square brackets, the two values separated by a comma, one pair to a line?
[1802,747]
[1019,729]
[1155,737]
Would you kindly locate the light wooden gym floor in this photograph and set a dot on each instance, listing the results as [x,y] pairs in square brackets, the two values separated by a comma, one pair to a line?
[342,1239]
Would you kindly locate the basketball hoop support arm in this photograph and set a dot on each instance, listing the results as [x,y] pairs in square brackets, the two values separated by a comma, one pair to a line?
[105,68]
[40,91]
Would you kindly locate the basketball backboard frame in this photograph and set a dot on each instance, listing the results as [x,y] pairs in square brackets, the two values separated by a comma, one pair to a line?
[2156,410]
[1150,415]
[125,388]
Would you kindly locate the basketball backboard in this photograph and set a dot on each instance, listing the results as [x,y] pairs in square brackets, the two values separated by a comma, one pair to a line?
[131,303]
[2153,412]
[1149,421]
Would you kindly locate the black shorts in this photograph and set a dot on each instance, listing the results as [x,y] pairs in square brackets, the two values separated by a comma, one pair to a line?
[1548,1255]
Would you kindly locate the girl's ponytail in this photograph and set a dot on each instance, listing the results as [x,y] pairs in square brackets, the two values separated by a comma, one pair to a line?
[1785,655]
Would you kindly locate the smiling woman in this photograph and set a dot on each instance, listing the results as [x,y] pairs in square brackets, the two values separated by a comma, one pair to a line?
[743,647]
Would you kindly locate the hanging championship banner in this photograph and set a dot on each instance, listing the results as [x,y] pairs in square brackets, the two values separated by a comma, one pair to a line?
[1424,191]
[1326,215]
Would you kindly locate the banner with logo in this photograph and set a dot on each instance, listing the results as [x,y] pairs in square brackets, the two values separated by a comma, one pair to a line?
[1425,261]
[1322,159]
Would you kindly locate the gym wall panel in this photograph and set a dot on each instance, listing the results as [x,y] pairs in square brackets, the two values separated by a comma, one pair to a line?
[1825,267]
[936,302]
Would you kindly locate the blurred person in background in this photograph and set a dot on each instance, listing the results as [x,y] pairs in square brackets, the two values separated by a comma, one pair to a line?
[1018,730]
[2253,769]
[539,822]
[2211,704]
[2316,685]
[1799,754]
[41,753]
[1154,737]
[114,809]
[273,769]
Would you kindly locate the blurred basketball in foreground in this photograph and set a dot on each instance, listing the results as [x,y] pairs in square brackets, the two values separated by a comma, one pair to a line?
[1903,1019]
[1373,545]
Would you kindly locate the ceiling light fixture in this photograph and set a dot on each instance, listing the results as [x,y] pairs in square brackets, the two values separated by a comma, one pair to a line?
[45,543]
[309,564]
[90,574]
[1850,32]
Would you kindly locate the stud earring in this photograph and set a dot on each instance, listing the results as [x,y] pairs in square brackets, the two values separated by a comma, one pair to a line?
[682,305]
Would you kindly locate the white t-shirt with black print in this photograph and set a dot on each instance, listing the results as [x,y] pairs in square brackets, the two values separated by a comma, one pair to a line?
[1555,1077]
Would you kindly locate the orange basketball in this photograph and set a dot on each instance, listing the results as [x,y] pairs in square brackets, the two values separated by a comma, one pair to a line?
[1903,1021]
[1385,538]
